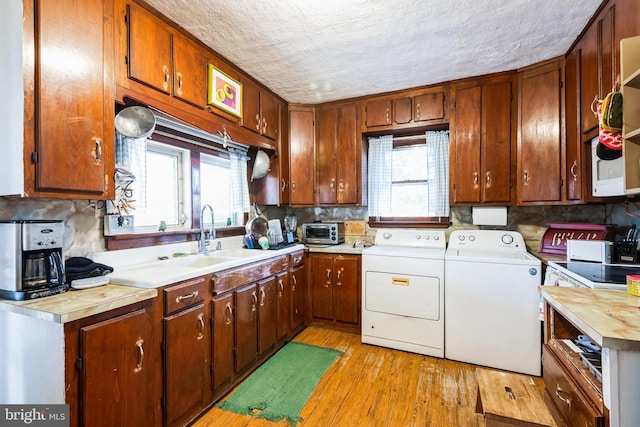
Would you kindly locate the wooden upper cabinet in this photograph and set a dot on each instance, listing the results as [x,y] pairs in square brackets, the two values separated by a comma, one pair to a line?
[337,149]
[378,113]
[150,60]
[576,150]
[301,155]
[539,148]
[482,135]
[589,92]
[190,71]
[408,109]
[69,99]
[429,106]
[259,110]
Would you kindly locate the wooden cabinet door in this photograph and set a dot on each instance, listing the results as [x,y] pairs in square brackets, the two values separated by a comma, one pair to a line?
[326,154]
[575,154]
[466,145]
[298,297]
[267,315]
[223,340]
[348,150]
[495,157]
[150,60]
[116,381]
[402,110]
[347,288]
[74,99]
[283,305]
[190,71]
[589,82]
[185,364]
[539,150]
[429,106]
[251,105]
[322,283]
[269,115]
[378,113]
[301,156]
[246,326]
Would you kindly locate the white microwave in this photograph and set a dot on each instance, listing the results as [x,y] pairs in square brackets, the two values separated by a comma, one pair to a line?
[606,175]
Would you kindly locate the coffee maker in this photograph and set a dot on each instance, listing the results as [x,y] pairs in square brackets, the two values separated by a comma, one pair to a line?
[33,265]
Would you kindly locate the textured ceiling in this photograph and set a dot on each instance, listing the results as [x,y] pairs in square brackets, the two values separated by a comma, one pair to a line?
[312,51]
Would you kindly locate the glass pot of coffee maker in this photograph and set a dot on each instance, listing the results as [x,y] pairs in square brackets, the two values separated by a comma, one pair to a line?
[290,227]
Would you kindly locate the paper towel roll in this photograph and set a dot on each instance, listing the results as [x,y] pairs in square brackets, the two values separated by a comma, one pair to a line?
[489,215]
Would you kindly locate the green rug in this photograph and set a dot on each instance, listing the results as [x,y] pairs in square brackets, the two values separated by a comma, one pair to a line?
[282,385]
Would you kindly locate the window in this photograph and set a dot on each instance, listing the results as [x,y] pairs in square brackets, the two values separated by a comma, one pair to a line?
[215,184]
[161,187]
[408,179]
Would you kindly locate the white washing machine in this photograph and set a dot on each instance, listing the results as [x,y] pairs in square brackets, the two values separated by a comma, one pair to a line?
[491,301]
[403,291]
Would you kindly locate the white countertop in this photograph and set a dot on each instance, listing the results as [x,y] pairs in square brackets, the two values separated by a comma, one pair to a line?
[342,248]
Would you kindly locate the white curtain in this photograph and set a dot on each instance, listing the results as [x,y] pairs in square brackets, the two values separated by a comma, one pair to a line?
[239,183]
[438,172]
[131,168]
[379,175]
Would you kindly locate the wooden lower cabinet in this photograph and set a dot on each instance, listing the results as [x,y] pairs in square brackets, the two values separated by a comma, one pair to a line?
[111,369]
[335,289]
[223,340]
[283,306]
[267,315]
[246,300]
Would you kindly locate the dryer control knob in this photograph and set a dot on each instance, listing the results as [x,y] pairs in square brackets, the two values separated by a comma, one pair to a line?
[507,239]
[436,237]
[387,235]
[461,237]
[426,237]
[418,237]
[472,238]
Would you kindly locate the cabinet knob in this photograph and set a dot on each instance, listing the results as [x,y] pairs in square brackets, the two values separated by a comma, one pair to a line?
[418,111]
[293,186]
[165,83]
[476,180]
[487,180]
[140,355]
[525,177]
[97,151]
[200,326]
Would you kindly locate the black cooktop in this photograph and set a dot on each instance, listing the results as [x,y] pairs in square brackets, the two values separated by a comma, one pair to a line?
[602,273]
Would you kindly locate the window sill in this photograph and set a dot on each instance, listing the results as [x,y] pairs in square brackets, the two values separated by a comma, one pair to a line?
[402,222]
[139,240]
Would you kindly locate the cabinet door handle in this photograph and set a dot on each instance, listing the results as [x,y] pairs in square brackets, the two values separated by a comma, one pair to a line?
[228,313]
[573,170]
[200,326]
[328,278]
[284,184]
[293,186]
[418,111]
[294,282]
[254,301]
[179,76]
[281,288]
[258,122]
[98,149]
[140,355]
[560,392]
[191,296]
[487,180]
[332,184]
[525,177]
[165,70]
[264,125]
[340,185]
[339,278]
[476,179]
[263,296]
[388,116]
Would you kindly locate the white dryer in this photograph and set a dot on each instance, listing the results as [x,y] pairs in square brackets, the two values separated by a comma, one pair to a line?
[403,291]
[491,301]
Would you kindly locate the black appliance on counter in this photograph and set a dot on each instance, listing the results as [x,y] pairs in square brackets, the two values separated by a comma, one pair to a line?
[33,265]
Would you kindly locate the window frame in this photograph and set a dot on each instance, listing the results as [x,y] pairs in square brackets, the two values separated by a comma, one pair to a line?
[403,139]
[186,234]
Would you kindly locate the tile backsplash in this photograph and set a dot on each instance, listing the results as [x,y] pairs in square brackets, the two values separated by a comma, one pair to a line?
[84,219]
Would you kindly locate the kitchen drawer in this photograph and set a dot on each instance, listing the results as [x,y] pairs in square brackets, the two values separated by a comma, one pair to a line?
[230,279]
[183,295]
[564,397]
[296,259]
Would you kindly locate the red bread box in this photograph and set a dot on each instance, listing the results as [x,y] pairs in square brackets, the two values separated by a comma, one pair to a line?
[554,240]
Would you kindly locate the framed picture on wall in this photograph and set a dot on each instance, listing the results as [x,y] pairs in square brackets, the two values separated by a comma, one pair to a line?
[224,92]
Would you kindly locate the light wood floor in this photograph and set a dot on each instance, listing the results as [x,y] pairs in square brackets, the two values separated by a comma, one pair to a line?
[375,386]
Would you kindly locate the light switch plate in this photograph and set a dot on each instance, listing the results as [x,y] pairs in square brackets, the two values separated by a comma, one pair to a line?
[118,224]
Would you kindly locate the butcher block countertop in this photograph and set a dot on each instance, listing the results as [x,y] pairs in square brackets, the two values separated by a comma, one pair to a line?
[77,304]
[610,318]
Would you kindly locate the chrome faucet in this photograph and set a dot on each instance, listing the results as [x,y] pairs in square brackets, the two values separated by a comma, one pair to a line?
[203,244]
